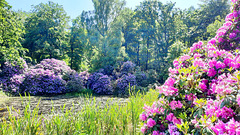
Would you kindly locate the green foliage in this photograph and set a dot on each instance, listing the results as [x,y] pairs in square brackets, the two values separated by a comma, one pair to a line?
[174,51]
[75,49]
[213,27]
[46,31]
[103,32]
[108,34]
[192,23]
[11,30]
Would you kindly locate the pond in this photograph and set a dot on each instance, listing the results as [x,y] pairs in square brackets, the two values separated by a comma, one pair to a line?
[57,102]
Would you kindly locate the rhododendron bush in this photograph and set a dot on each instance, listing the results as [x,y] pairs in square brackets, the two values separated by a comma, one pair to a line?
[201,95]
[11,75]
[50,76]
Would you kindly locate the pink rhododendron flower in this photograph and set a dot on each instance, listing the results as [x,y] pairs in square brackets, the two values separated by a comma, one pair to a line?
[227,24]
[229,17]
[167,90]
[173,70]
[184,57]
[151,122]
[212,72]
[155,133]
[170,117]
[202,86]
[235,14]
[219,65]
[221,33]
[176,121]
[170,81]
[212,63]
[228,61]
[199,63]
[225,113]
[220,40]
[197,55]
[144,128]
[219,128]
[232,35]
[191,97]
[175,104]
[238,100]
[175,63]
[212,41]
[143,117]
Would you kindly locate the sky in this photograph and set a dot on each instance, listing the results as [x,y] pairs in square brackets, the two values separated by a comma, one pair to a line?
[75,7]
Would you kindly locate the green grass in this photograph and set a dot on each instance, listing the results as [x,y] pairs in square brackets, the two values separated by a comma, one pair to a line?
[113,119]
[3,98]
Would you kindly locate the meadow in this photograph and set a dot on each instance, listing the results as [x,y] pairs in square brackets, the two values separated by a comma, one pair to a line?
[94,117]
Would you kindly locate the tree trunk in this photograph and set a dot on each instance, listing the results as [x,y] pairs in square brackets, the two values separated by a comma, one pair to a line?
[147,53]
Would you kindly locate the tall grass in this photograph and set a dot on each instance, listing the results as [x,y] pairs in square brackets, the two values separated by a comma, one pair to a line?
[115,118]
[3,97]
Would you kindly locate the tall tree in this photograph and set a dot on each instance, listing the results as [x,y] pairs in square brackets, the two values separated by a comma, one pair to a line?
[210,11]
[46,31]
[151,32]
[103,26]
[11,30]
[75,49]
[196,21]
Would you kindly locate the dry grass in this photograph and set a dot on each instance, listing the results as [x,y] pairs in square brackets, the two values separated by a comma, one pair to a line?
[3,99]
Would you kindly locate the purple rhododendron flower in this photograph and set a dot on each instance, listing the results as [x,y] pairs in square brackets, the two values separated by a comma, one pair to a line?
[126,82]
[100,84]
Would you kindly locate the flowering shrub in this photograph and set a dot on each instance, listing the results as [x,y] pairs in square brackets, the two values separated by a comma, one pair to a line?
[201,95]
[41,82]
[127,67]
[51,76]
[74,82]
[59,67]
[100,84]
[124,82]
[11,76]
[108,70]
[84,75]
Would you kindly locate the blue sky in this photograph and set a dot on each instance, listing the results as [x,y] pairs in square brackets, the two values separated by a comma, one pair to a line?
[75,7]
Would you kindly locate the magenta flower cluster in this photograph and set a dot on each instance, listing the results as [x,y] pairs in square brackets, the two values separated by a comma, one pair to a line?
[202,93]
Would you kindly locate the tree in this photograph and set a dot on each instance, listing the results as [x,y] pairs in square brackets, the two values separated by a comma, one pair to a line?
[75,49]
[11,30]
[46,31]
[103,26]
[150,34]
[213,27]
[196,21]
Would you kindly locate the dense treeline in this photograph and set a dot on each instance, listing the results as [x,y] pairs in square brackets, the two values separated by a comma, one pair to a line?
[151,35]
